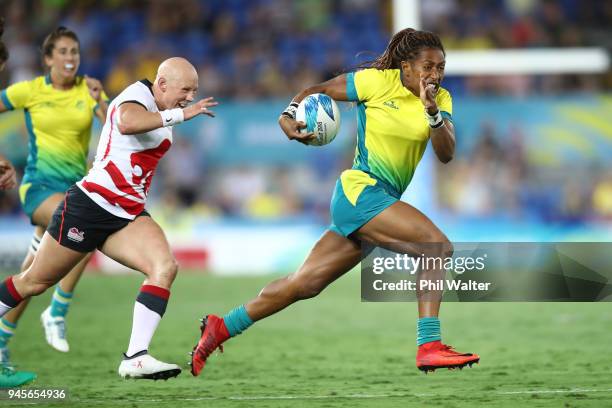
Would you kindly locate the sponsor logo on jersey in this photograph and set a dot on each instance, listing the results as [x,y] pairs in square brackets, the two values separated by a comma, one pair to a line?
[75,235]
[391,104]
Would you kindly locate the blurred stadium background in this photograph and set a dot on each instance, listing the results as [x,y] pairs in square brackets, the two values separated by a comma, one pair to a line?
[534,141]
[533,151]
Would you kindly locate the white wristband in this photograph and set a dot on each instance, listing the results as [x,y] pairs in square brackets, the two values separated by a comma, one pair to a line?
[171,117]
[291,110]
[434,120]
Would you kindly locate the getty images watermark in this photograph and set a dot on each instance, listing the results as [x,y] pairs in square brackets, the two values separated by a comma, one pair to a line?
[498,271]
[415,264]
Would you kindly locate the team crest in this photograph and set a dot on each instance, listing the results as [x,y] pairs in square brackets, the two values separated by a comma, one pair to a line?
[75,235]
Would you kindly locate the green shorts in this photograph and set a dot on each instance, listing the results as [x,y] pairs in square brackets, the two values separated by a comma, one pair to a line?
[33,193]
[358,197]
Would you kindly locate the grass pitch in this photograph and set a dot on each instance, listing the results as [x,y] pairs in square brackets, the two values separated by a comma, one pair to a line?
[331,351]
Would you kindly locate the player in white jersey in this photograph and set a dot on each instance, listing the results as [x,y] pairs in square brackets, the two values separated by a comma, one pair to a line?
[105,210]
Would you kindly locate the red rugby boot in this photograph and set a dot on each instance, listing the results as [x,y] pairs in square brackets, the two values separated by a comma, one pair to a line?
[434,355]
[214,333]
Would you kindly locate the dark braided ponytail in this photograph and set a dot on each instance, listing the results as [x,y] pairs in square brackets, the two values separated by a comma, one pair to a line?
[4,55]
[405,46]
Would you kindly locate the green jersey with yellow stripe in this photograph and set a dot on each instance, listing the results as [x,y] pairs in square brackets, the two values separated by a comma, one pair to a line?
[392,128]
[59,128]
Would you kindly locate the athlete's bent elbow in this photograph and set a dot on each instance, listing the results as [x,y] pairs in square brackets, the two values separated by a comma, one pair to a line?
[125,129]
[445,158]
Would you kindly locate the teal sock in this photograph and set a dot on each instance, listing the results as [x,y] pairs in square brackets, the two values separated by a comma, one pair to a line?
[428,330]
[60,302]
[6,331]
[237,321]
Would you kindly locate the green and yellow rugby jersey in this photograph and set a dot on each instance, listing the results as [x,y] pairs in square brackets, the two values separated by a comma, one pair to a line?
[59,127]
[392,129]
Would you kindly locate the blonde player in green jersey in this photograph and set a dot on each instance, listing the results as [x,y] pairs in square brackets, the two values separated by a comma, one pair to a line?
[59,108]
[401,107]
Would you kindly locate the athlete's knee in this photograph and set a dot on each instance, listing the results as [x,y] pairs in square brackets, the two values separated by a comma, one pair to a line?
[446,248]
[165,271]
[437,244]
[28,286]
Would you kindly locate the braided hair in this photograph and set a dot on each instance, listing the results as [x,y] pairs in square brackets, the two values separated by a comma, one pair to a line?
[4,54]
[405,46]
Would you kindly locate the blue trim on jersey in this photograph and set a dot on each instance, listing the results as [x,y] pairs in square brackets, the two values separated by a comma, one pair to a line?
[351,91]
[5,100]
[362,156]
[48,79]
[33,155]
[446,115]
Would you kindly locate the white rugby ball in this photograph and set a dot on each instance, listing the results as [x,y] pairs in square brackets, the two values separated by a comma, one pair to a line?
[321,115]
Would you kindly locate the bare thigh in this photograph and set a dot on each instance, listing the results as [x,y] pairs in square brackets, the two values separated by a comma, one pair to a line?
[402,228]
[51,263]
[142,245]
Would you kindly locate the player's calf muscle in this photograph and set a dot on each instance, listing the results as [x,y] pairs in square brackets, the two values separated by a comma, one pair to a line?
[308,283]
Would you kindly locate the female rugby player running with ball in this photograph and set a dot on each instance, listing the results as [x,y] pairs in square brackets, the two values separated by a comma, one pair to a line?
[400,107]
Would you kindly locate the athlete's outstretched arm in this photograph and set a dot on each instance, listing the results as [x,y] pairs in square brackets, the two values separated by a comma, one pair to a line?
[134,119]
[442,137]
[334,88]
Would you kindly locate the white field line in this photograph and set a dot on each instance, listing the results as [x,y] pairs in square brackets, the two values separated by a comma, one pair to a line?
[309,397]
[575,390]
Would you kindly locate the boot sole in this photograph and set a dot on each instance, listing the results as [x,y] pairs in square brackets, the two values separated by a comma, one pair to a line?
[429,368]
[160,375]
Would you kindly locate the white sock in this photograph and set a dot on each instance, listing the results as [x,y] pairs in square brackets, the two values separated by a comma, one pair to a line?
[144,325]
[4,309]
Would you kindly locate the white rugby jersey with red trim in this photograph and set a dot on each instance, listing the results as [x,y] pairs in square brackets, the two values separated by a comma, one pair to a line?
[125,164]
